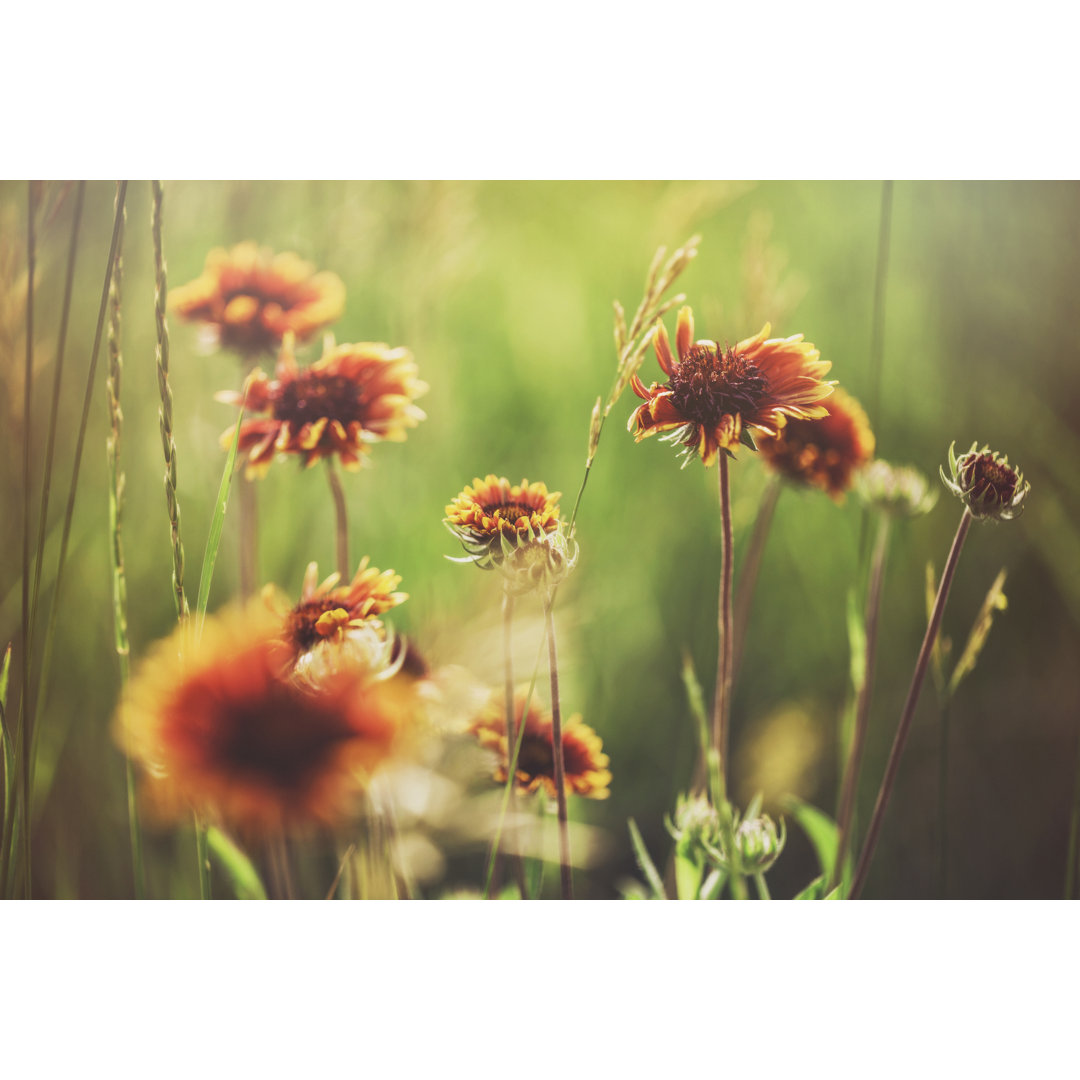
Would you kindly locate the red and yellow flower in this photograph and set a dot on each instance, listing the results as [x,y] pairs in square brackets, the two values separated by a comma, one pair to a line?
[327,612]
[222,727]
[355,395]
[493,517]
[586,764]
[250,298]
[715,396]
[825,453]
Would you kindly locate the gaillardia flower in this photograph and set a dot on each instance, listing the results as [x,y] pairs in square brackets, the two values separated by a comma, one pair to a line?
[586,764]
[986,483]
[823,453]
[327,612]
[355,395]
[493,517]
[898,490]
[250,298]
[223,728]
[714,396]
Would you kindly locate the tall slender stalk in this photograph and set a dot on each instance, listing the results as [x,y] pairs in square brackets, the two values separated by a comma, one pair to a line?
[862,708]
[341,517]
[165,415]
[744,592]
[1074,835]
[566,874]
[249,517]
[511,724]
[725,652]
[904,727]
[54,412]
[943,800]
[119,582]
[24,730]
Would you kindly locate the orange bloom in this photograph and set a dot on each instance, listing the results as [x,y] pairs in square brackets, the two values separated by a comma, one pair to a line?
[583,753]
[492,516]
[327,612]
[355,395]
[223,729]
[713,396]
[250,298]
[823,453]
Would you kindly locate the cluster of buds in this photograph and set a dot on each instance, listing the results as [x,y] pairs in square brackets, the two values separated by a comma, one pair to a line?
[700,832]
[986,483]
[897,490]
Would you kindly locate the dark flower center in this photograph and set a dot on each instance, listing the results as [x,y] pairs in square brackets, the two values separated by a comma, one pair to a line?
[711,383]
[300,623]
[536,757]
[509,511]
[985,478]
[313,395]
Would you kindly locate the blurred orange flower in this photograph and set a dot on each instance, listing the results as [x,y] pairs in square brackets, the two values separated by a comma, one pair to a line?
[355,395]
[823,453]
[713,396]
[222,728]
[586,763]
[251,298]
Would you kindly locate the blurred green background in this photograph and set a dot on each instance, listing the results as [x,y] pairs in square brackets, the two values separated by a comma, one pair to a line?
[503,292]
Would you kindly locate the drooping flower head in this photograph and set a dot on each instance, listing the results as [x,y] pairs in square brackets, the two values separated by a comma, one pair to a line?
[224,728]
[986,483]
[492,517]
[898,490]
[716,395]
[249,298]
[825,453]
[355,395]
[586,764]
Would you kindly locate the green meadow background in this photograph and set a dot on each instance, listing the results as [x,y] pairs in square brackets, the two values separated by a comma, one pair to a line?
[503,292]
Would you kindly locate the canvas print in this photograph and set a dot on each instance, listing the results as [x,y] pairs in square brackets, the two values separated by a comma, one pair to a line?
[695,540]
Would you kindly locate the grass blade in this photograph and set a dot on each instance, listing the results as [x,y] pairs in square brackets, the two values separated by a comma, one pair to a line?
[239,869]
[644,861]
[217,524]
[819,828]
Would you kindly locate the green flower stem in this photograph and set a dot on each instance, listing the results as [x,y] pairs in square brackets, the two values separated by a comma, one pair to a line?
[342,520]
[566,874]
[762,888]
[202,853]
[116,501]
[862,707]
[725,653]
[904,727]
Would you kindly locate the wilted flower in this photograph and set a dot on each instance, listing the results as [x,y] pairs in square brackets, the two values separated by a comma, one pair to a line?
[714,396]
[492,517]
[898,490]
[586,765]
[250,298]
[353,396]
[224,728]
[823,453]
[986,483]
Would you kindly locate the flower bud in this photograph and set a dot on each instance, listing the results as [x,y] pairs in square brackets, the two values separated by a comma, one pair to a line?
[543,562]
[758,845]
[986,483]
